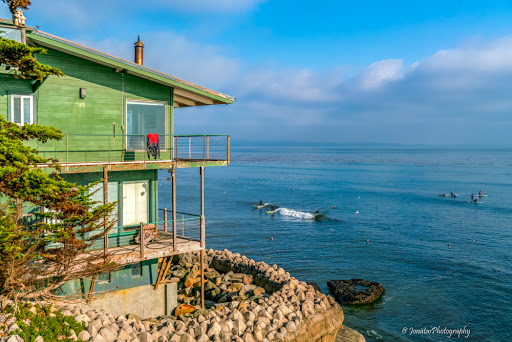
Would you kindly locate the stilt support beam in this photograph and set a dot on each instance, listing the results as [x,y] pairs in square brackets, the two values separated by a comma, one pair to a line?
[162,273]
[202,222]
[174,235]
[91,289]
[202,278]
[105,219]
[141,240]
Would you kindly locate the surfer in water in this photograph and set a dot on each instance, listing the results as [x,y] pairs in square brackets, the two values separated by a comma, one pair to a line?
[261,202]
[452,194]
[480,193]
[271,207]
[472,196]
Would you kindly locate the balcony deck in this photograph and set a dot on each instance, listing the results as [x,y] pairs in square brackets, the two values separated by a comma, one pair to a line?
[78,153]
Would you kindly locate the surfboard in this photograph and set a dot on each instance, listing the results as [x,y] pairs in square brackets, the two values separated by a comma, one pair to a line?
[258,206]
[270,212]
[481,195]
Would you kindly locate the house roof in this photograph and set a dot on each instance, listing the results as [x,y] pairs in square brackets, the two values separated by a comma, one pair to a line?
[185,93]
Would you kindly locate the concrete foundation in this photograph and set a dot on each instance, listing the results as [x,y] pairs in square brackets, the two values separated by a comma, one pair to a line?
[143,301]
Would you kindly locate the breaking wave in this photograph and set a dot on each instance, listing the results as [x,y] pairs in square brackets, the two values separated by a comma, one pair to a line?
[295,213]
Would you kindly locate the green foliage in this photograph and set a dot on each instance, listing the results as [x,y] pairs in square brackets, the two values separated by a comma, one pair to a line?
[22,62]
[52,326]
[69,215]
[15,4]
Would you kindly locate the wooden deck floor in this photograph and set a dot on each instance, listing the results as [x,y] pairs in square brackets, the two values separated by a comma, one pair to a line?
[160,248]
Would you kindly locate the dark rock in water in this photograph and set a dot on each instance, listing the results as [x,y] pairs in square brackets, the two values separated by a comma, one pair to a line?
[315,285]
[355,291]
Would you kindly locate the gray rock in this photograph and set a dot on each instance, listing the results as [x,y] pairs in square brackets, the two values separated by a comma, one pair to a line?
[355,291]
[124,335]
[107,334]
[145,337]
[82,318]
[98,338]
[13,327]
[92,330]
[14,338]
[84,335]
[345,334]
[214,329]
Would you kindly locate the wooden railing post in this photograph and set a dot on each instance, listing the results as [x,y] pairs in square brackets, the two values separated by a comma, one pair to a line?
[165,220]
[202,222]
[141,240]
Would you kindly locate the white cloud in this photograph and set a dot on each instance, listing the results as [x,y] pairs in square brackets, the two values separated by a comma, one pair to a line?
[178,56]
[380,73]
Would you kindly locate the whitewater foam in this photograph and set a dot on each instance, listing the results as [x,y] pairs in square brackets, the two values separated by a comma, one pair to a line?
[295,213]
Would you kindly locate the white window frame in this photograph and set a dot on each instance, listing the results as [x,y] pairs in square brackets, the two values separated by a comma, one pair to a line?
[163,142]
[22,109]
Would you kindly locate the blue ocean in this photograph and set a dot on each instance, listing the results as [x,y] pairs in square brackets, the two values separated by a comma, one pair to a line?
[446,263]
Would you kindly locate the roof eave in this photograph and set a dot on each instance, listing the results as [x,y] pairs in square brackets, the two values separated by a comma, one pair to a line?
[63,45]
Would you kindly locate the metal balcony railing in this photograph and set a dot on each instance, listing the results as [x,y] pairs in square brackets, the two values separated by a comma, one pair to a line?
[188,228]
[90,149]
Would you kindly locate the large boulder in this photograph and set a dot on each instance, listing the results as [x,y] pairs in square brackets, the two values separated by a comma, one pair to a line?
[355,291]
[315,285]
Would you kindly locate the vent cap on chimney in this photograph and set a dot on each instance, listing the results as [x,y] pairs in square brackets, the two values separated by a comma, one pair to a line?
[138,51]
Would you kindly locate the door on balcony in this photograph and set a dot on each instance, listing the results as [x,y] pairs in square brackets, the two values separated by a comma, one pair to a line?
[143,118]
[135,203]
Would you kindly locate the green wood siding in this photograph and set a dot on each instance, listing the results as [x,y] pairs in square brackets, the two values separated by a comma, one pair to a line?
[10,86]
[119,280]
[59,103]
[123,176]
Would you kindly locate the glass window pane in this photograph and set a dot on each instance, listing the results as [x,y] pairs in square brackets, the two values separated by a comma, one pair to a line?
[136,270]
[97,196]
[17,110]
[135,203]
[143,119]
[103,278]
[26,110]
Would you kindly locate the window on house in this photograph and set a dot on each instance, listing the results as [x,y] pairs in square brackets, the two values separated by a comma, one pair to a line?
[22,109]
[103,278]
[136,270]
[97,196]
[143,118]
[135,202]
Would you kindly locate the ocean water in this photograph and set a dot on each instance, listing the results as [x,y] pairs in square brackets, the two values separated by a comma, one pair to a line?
[445,263]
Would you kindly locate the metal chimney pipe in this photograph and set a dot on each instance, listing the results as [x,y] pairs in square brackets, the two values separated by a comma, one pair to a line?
[138,51]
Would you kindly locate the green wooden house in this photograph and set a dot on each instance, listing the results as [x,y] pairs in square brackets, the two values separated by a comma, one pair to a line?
[106,106]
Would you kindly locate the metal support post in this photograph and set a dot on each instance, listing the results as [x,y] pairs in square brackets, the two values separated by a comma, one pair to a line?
[202,278]
[202,224]
[174,235]
[105,219]
[165,220]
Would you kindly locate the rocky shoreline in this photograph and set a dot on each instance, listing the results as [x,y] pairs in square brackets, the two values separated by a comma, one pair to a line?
[248,301]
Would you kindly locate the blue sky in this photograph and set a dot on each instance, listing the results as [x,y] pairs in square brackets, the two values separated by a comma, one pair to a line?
[408,72]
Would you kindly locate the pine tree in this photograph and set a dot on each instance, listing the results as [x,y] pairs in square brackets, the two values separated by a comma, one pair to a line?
[28,267]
